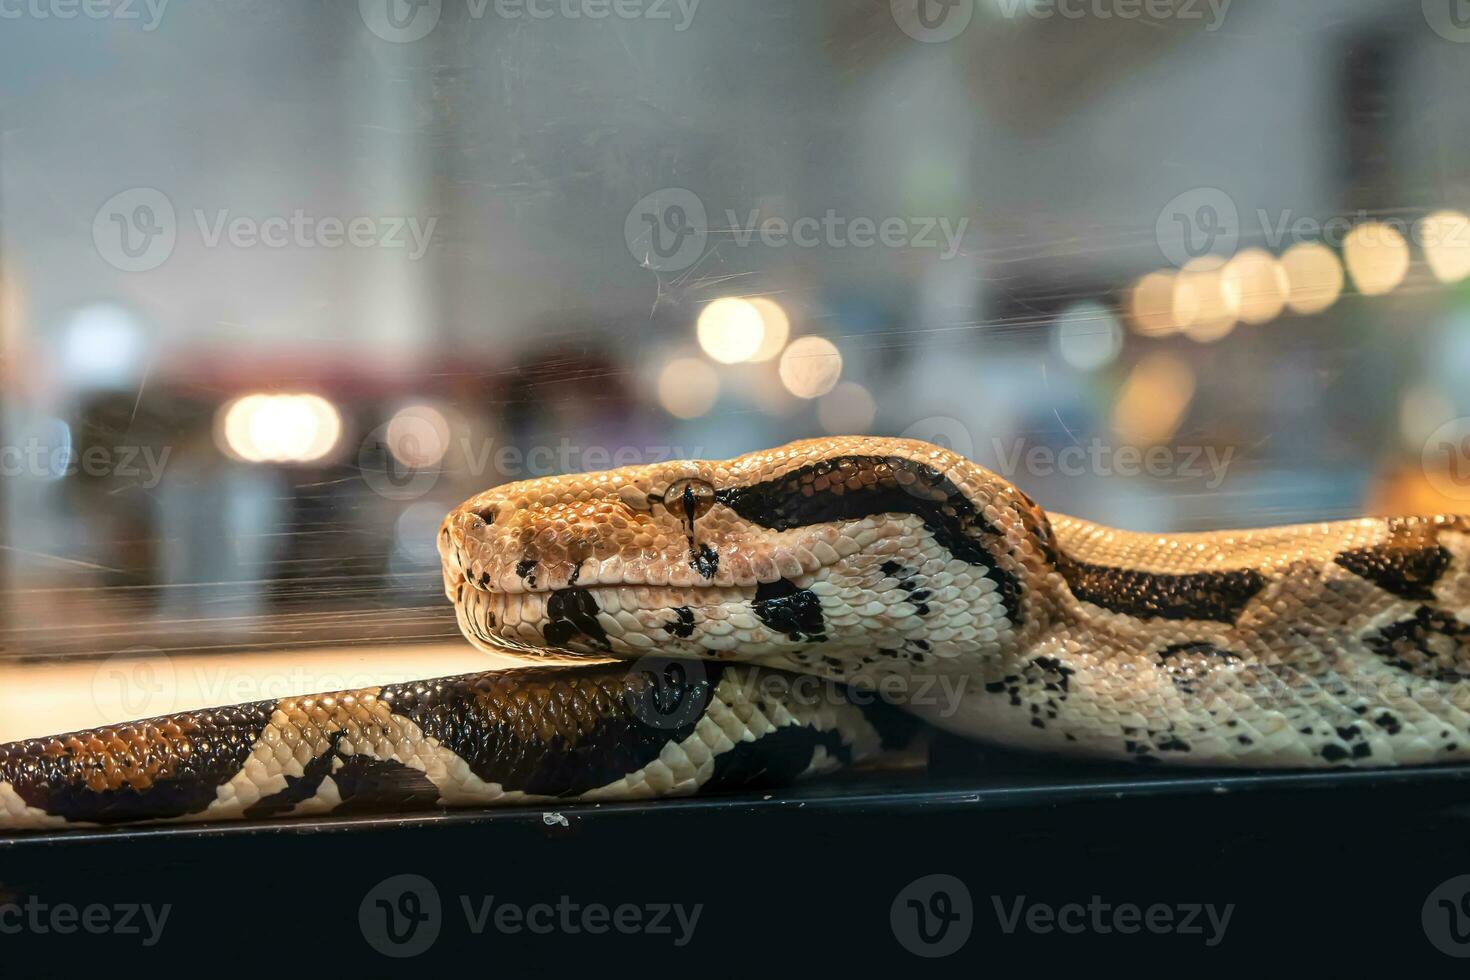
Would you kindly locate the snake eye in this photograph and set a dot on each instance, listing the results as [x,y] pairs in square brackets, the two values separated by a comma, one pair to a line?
[691,499]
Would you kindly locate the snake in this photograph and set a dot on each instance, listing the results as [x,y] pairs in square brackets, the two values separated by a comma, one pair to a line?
[712,626]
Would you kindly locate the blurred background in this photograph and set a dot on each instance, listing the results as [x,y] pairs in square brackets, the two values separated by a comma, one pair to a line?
[282,283]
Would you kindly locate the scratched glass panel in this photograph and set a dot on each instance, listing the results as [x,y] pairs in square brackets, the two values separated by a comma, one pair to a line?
[282,283]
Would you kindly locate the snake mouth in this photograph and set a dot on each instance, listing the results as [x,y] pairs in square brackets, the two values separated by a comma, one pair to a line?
[619,620]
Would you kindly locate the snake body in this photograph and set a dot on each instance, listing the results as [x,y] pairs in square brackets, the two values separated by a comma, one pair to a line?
[706,625]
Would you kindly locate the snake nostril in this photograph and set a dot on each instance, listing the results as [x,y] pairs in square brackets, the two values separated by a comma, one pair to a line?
[488,514]
[691,499]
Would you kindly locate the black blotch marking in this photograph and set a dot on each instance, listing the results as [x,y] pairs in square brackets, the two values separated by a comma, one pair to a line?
[683,624]
[1433,645]
[1333,752]
[571,613]
[526,569]
[365,784]
[494,721]
[1063,685]
[1406,565]
[298,788]
[1215,596]
[786,609]
[1388,723]
[704,560]
[378,786]
[854,487]
[775,759]
[1173,744]
[908,582]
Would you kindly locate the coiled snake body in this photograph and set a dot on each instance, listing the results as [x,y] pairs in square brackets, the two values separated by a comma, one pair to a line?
[776,606]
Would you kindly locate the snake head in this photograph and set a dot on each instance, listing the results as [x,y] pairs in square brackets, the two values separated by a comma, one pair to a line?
[821,552]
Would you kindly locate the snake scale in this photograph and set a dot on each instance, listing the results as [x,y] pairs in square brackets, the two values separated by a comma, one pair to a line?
[709,625]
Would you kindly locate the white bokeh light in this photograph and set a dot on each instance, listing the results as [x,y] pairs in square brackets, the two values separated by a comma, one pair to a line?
[731,330]
[811,367]
[1087,336]
[274,428]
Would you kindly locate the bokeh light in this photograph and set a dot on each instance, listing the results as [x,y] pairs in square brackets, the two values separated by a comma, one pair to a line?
[103,346]
[777,328]
[1153,400]
[1151,305]
[273,428]
[688,387]
[848,410]
[1446,236]
[1255,286]
[418,436]
[1201,309]
[1377,257]
[1087,336]
[731,330]
[1314,277]
[811,367]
